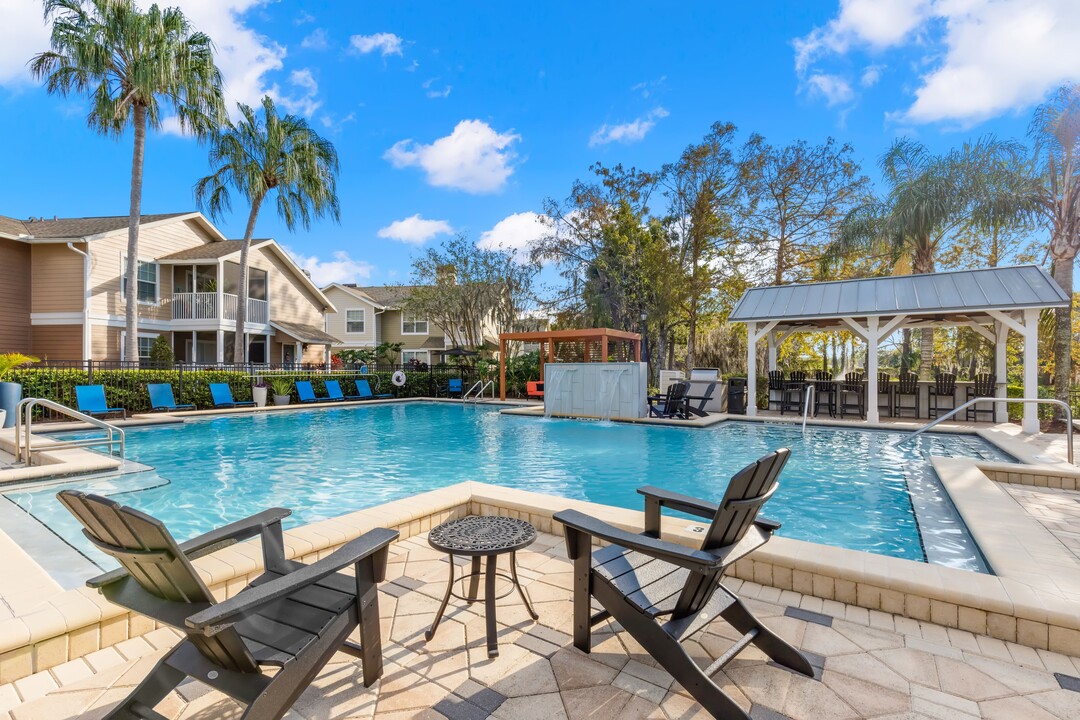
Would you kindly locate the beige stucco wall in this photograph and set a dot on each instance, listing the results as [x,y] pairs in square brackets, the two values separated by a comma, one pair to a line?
[289,300]
[336,321]
[57,276]
[15,291]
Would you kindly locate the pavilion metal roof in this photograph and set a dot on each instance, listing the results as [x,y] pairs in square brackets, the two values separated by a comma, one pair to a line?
[963,293]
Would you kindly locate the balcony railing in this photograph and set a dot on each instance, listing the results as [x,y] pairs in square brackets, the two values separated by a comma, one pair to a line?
[204,306]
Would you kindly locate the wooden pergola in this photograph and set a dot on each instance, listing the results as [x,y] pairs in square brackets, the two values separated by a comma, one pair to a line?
[597,346]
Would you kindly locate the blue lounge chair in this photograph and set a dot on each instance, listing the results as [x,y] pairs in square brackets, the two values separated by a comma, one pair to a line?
[454,387]
[363,392]
[333,391]
[221,394]
[307,393]
[91,401]
[162,398]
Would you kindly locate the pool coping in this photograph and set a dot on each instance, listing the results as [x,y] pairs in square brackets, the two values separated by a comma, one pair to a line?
[79,622]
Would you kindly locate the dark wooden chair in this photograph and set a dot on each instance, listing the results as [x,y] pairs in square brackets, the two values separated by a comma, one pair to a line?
[944,387]
[673,404]
[662,593]
[985,385]
[885,388]
[907,385]
[794,393]
[824,392]
[851,396]
[293,617]
[776,388]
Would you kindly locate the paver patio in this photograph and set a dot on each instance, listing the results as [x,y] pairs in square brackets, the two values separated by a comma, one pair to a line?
[870,664]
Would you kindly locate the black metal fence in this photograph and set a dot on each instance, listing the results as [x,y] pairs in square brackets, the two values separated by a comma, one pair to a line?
[125,382]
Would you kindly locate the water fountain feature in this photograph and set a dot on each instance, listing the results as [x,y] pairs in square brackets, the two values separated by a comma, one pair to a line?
[552,385]
[596,390]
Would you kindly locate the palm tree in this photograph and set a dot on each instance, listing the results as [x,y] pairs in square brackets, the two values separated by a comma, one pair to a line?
[134,66]
[257,156]
[1056,131]
[929,197]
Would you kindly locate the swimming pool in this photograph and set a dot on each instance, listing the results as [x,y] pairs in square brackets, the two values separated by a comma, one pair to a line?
[850,488]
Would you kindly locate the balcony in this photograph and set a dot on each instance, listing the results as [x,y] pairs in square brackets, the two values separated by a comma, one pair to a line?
[204,306]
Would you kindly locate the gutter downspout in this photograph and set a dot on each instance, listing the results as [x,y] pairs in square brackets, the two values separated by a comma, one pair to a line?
[86,299]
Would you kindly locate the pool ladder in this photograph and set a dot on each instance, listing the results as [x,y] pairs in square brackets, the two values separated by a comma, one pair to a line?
[480,386]
[24,452]
[810,389]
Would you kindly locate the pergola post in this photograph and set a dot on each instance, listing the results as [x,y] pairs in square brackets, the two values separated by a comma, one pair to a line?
[872,340]
[1031,370]
[770,339]
[502,369]
[1001,336]
[603,349]
[751,368]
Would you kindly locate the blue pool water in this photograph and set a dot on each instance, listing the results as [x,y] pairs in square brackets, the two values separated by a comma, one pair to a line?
[850,488]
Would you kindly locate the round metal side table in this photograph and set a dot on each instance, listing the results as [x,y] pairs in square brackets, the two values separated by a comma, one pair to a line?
[480,537]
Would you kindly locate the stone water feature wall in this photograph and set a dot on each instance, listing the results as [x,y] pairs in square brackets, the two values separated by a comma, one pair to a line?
[596,390]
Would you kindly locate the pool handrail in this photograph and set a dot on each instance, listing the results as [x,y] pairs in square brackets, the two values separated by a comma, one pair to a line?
[969,403]
[24,417]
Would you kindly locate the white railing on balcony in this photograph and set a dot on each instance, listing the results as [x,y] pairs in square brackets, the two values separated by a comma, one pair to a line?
[203,306]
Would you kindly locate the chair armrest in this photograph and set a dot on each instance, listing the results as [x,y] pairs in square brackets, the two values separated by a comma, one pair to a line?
[212,541]
[236,608]
[653,547]
[767,524]
[680,503]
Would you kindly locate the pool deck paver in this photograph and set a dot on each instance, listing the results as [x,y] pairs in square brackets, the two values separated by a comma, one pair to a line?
[870,664]
[1056,509]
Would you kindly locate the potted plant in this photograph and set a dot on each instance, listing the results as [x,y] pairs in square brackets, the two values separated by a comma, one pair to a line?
[11,392]
[258,392]
[282,388]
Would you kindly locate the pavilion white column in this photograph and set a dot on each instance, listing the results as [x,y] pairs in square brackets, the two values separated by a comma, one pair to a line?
[1001,335]
[771,339]
[220,345]
[751,368]
[872,340]
[1031,370]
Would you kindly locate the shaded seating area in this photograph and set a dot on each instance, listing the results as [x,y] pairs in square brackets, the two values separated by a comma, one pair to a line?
[221,395]
[992,302]
[291,619]
[162,398]
[90,400]
[662,594]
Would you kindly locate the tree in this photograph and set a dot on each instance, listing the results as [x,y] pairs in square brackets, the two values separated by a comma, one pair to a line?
[465,289]
[797,197]
[929,198]
[161,353]
[133,66]
[259,156]
[1055,129]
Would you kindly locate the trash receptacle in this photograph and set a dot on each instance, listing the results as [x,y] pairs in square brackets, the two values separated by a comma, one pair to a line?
[736,396]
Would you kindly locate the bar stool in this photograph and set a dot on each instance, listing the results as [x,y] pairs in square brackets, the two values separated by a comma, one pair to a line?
[794,392]
[776,384]
[824,392]
[884,387]
[906,385]
[985,385]
[852,388]
[944,387]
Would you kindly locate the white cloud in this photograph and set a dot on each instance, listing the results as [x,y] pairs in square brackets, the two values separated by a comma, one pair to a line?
[340,269]
[305,102]
[334,123]
[835,89]
[629,132]
[317,40]
[474,157]
[986,57]
[384,43]
[516,233]
[871,74]
[415,230]
[432,92]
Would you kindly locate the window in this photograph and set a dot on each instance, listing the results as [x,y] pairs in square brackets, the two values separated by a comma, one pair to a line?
[412,325]
[147,279]
[146,343]
[354,321]
[408,356]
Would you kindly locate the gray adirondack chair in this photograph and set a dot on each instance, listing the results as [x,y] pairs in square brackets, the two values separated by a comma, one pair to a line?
[662,593]
[293,616]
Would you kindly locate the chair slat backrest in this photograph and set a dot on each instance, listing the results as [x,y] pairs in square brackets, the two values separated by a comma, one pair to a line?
[147,551]
[676,396]
[161,395]
[798,376]
[90,398]
[363,389]
[304,391]
[776,380]
[333,390]
[883,380]
[747,491]
[908,384]
[823,380]
[985,384]
[945,384]
[221,394]
[454,385]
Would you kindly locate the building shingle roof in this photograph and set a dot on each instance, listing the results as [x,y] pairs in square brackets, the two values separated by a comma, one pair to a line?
[305,333]
[11,226]
[391,296]
[210,251]
[77,227]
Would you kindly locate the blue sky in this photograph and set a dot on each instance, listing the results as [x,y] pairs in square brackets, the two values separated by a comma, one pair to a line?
[464,116]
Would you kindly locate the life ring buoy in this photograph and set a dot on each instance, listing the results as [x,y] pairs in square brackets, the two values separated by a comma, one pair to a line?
[398,379]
